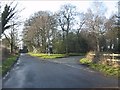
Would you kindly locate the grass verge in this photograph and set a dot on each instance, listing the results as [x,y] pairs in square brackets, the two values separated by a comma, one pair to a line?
[107,70]
[47,56]
[77,54]
[0,70]
[52,56]
[7,64]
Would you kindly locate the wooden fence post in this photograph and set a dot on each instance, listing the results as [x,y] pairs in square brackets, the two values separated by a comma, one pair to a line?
[113,56]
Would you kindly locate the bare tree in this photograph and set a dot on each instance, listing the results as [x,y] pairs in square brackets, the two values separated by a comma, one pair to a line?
[80,22]
[7,15]
[10,21]
[65,19]
[41,27]
[95,21]
[12,38]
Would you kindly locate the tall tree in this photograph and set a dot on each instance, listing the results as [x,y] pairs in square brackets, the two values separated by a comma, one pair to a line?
[118,25]
[80,25]
[0,21]
[95,21]
[65,19]
[12,38]
[7,14]
[10,20]
[41,27]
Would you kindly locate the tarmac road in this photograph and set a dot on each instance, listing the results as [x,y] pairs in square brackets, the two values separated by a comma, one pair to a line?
[33,72]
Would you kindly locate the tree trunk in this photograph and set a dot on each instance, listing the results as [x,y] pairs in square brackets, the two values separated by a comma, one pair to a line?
[11,49]
[98,46]
[34,49]
[67,42]
[118,40]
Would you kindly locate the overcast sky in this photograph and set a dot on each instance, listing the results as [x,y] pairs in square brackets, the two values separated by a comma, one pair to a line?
[32,6]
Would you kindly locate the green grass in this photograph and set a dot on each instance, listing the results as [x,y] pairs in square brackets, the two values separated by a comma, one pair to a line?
[6,65]
[47,56]
[0,63]
[108,70]
[52,56]
[84,61]
[0,68]
[76,54]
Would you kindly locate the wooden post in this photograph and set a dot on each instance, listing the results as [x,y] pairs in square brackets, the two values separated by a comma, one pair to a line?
[113,58]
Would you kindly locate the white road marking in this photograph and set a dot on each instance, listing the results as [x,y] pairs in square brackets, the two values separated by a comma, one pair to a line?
[87,69]
[6,75]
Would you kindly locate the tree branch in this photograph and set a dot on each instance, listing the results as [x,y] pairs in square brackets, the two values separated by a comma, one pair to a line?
[7,38]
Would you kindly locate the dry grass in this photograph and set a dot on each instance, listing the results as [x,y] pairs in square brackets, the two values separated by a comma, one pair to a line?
[106,69]
[100,59]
